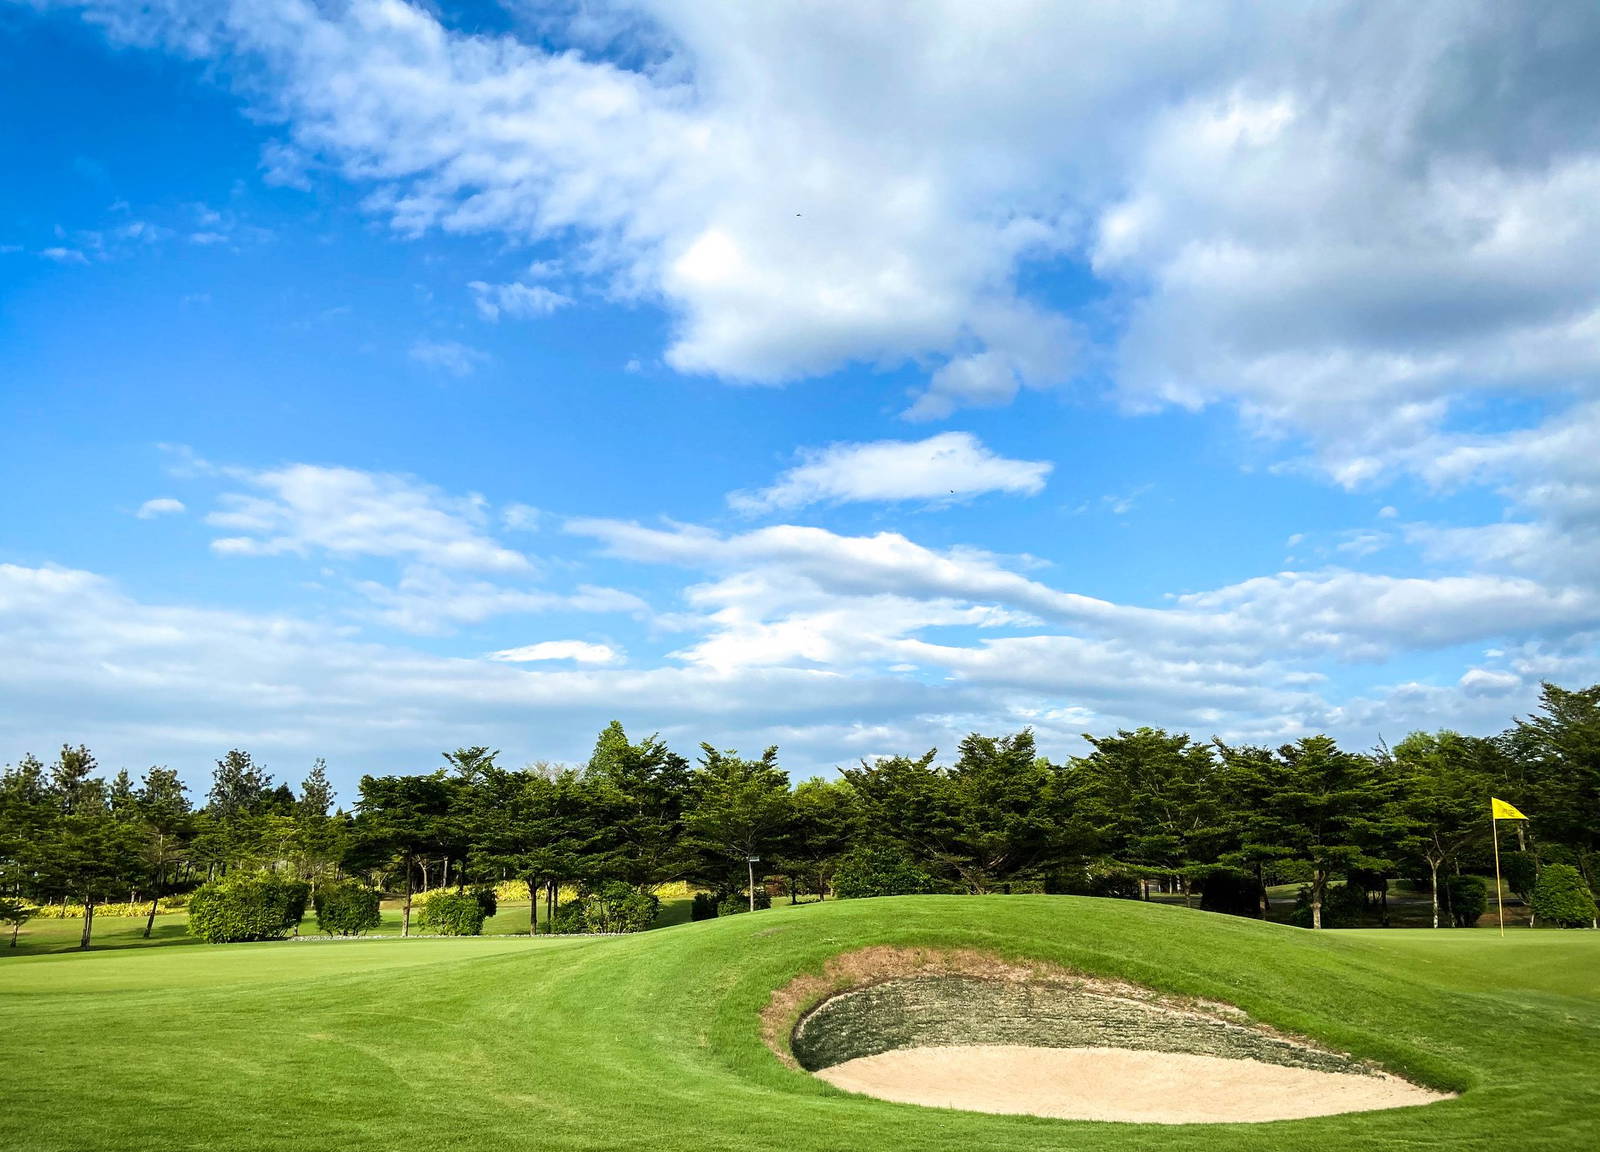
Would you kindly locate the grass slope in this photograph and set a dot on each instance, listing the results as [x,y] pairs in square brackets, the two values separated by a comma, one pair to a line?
[652,1041]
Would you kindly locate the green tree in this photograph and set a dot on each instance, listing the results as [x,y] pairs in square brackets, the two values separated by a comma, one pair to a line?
[1146,801]
[1312,802]
[825,822]
[740,807]
[401,818]
[470,763]
[1442,801]
[639,790]
[994,817]
[1561,897]
[1559,748]
[165,815]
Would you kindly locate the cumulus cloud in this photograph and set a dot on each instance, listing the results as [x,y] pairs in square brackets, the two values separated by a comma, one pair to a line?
[160,506]
[578,651]
[944,468]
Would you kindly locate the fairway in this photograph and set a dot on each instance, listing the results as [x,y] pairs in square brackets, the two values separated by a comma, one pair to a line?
[654,1040]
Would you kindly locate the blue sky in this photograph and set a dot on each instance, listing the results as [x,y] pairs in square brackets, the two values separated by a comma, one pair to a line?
[379,378]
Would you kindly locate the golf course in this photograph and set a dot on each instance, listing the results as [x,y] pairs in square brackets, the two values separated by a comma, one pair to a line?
[677,1038]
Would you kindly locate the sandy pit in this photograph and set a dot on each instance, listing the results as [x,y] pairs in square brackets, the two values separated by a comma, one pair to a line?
[970,1030]
[1145,1087]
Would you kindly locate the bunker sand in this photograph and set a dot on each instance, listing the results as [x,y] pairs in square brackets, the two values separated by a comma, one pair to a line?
[1116,1084]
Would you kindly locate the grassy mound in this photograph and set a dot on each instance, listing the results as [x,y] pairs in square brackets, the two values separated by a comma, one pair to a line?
[656,1042]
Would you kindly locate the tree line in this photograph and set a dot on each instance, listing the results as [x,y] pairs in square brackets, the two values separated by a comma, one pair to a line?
[1221,824]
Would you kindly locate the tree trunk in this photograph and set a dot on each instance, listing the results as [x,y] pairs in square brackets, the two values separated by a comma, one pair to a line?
[88,923]
[150,921]
[1144,887]
[405,913]
[533,906]
[1261,891]
[1384,903]
[16,926]
[751,868]
[1317,882]
[1433,885]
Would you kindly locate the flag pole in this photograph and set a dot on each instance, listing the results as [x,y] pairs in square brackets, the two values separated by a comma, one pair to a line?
[1499,901]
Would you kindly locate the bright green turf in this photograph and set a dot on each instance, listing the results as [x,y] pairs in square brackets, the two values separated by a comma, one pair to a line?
[651,1041]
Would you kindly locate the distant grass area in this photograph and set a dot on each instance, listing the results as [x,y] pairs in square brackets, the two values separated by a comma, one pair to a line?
[652,1041]
[111,932]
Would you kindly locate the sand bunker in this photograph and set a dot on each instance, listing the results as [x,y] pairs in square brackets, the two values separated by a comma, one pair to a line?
[1116,1084]
[968,1030]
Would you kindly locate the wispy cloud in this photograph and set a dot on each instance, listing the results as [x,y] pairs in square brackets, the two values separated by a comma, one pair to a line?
[946,468]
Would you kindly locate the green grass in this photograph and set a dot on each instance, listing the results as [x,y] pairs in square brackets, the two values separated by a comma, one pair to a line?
[49,935]
[652,1041]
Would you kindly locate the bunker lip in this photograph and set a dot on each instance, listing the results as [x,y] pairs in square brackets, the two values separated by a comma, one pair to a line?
[972,1030]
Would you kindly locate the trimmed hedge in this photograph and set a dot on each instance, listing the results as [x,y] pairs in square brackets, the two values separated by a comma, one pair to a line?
[347,908]
[452,914]
[704,907]
[1562,898]
[247,906]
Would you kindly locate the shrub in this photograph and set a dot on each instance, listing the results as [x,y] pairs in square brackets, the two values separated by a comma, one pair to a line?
[1468,897]
[1562,898]
[1521,873]
[878,872]
[704,907]
[735,902]
[572,917]
[620,907]
[488,899]
[346,908]
[1341,906]
[452,914]
[246,906]
[1235,893]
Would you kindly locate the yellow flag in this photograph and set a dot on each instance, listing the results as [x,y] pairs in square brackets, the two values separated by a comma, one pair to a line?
[1503,811]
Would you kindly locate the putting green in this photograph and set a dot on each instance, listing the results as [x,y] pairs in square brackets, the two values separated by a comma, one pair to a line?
[656,1041]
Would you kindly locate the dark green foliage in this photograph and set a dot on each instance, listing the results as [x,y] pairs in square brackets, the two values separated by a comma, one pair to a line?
[1342,905]
[247,906]
[346,908]
[735,902]
[572,918]
[1562,898]
[1468,897]
[1521,872]
[619,907]
[452,914]
[1229,891]
[878,871]
[487,900]
[995,815]
[704,907]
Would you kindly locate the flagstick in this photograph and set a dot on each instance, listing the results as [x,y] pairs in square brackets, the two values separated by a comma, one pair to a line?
[1494,831]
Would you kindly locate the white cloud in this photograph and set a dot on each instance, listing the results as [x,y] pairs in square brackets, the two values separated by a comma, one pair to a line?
[426,601]
[306,508]
[160,506]
[944,468]
[1336,216]
[448,356]
[578,651]
[518,301]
